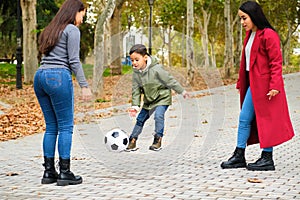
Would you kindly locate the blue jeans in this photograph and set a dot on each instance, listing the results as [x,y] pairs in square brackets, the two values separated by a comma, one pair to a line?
[54,91]
[159,118]
[247,114]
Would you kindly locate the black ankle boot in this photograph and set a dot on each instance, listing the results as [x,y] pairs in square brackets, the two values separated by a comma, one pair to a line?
[66,177]
[264,163]
[50,174]
[237,160]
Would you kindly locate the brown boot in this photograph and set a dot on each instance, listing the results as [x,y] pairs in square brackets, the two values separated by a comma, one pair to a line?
[156,146]
[132,145]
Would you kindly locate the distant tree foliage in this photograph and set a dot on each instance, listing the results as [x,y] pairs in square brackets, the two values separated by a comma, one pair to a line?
[8,28]
[169,17]
[45,10]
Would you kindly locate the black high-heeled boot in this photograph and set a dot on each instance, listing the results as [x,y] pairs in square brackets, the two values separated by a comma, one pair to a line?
[50,174]
[66,177]
[264,163]
[237,160]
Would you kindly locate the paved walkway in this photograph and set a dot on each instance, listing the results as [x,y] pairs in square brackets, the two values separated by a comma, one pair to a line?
[200,134]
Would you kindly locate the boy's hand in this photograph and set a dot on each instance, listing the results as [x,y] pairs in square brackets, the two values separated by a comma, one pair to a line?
[185,94]
[132,112]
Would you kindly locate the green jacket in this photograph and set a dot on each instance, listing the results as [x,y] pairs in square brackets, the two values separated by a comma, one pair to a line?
[155,84]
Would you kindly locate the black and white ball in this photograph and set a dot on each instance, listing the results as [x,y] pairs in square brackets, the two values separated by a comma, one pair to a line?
[116,140]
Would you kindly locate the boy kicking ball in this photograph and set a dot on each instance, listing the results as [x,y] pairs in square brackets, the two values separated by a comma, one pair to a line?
[154,83]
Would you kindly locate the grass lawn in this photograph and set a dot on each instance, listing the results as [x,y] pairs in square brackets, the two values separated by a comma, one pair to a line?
[88,70]
[8,71]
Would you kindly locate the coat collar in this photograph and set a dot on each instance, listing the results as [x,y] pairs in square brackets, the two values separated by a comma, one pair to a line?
[255,45]
[258,34]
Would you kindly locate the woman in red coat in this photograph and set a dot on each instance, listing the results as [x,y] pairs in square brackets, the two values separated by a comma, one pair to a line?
[264,116]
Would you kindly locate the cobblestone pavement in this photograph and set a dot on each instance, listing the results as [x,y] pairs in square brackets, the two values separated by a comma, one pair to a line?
[200,134]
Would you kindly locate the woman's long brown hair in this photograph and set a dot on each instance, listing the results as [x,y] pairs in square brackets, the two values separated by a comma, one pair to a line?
[66,15]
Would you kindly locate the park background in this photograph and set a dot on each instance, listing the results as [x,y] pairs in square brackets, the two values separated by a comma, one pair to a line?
[189,37]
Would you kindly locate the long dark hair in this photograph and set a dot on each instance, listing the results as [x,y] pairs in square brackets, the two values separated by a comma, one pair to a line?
[256,14]
[65,15]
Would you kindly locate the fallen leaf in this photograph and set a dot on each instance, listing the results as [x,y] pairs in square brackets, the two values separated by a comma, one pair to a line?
[254,180]
[204,121]
[12,174]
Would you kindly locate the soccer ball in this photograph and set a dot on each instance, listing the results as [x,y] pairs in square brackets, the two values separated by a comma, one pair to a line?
[116,140]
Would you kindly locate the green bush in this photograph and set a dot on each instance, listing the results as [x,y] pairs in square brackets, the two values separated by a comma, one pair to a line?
[295,60]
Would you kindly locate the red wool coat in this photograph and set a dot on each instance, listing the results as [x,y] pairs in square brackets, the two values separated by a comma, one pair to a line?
[272,125]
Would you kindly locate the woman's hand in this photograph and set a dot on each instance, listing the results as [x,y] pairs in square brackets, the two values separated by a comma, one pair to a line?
[86,93]
[272,93]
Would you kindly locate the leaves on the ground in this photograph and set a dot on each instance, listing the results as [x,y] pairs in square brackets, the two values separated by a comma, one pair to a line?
[12,174]
[204,121]
[254,180]
[24,117]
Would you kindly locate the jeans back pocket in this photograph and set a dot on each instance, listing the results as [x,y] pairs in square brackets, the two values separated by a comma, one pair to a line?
[53,79]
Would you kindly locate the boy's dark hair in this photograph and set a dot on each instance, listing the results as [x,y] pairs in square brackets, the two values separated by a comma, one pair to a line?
[138,48]
[256,14]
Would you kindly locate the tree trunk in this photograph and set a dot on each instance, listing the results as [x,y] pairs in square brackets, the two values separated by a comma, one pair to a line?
[212,42]
[239,46]
[97,86]
[228,57]
[115,27]
[163,37]
[189,42]
[286,45]
[213,53]
[204,36]
[30,53]
[182,44]
[107,44]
